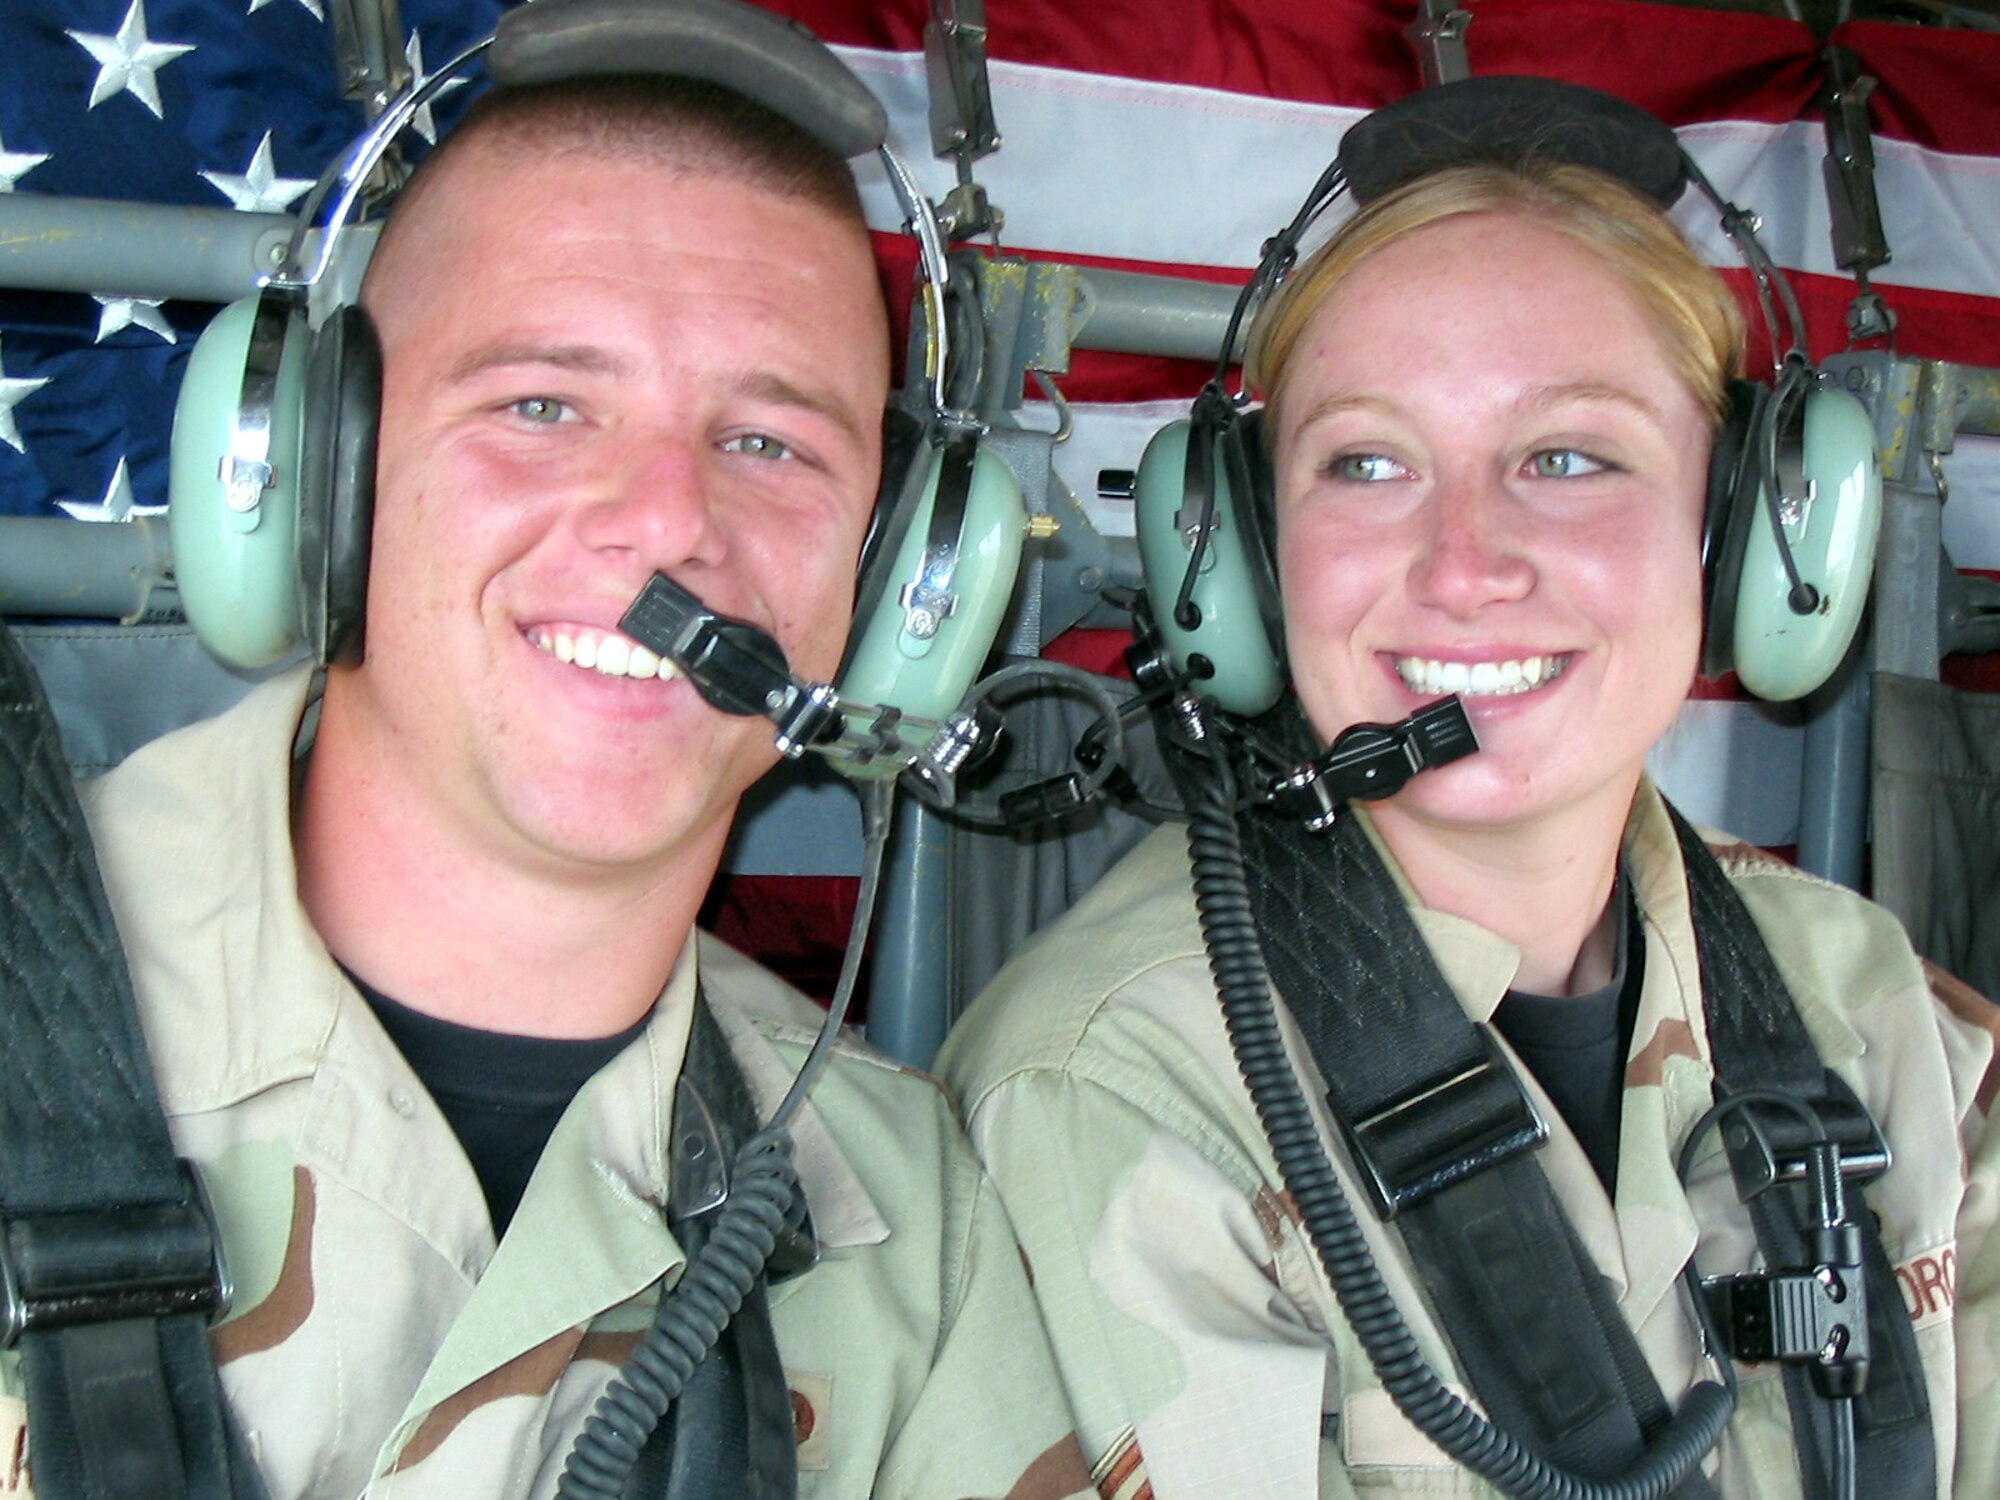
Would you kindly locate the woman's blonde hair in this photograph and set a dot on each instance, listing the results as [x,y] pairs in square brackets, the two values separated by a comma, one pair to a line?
[1699,324]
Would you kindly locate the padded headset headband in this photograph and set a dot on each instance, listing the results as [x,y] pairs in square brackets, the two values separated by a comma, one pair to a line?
[769,59]
[1506,121]
[765,57]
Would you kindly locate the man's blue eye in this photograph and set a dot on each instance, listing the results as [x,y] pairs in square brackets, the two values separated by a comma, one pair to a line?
[540,409]
[1565,463]
[757,445]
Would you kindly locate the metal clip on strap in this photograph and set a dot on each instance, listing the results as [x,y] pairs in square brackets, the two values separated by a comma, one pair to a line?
[1768,1146]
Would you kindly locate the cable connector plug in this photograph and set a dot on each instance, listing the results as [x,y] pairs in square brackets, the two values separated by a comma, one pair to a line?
[1373,761]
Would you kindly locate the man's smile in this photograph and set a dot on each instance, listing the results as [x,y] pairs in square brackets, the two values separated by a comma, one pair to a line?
[603,651]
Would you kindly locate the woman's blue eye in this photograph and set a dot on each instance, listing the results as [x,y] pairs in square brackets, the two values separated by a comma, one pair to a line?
[1565,463]
[1365,468]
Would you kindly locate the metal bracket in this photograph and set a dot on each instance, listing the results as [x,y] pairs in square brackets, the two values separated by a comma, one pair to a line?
[962,123]
[368,49]
[1859,243]
[1438,35]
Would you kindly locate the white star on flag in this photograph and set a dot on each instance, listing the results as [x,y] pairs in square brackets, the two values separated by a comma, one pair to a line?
[259,190]
[422,122]
[117,504]
[12,393]
[120,313]
[311,5]
[127,60]
[14,165]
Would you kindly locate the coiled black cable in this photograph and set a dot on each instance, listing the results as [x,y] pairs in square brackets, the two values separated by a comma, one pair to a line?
[1236,959]
[763,1190]
[690,1320]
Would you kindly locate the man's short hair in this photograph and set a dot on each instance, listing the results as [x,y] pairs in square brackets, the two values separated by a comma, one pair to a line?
[680,123]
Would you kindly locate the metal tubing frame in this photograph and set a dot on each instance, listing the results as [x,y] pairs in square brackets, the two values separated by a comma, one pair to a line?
[52,244]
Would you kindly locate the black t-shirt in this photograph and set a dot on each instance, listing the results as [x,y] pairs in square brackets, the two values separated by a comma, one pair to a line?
[1575,1045]
[501,1094]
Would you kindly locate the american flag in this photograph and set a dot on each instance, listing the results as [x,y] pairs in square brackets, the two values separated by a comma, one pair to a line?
[1139,135]
[222,105]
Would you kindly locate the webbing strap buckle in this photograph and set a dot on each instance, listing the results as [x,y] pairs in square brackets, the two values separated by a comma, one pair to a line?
[1443,1131]
[1769,1145]
[101,1265]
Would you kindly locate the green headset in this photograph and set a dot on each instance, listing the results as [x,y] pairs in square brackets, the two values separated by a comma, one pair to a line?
[1794,495]
[273,459]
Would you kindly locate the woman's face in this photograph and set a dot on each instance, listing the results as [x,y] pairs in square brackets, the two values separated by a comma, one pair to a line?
[1490,482]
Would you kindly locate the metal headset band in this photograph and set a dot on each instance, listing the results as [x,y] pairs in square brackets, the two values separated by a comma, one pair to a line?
[1783,600]
[273,451]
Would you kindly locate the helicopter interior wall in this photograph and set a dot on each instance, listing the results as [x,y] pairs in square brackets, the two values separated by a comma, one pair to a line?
[1234,112]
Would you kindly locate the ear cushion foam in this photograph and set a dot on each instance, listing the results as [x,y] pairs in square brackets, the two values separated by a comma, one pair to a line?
[1248,455]
[343,402]
[904,453]
[1732,504]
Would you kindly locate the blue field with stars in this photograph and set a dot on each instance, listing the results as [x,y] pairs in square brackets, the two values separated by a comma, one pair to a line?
[221,104]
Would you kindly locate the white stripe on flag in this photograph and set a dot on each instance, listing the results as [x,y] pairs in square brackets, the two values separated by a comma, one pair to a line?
[1086,156]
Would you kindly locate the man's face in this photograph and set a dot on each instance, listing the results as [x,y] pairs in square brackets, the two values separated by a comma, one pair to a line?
[595,370]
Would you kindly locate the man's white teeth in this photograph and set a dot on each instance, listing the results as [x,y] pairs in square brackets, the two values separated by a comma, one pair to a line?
[1490,679]
[609,655]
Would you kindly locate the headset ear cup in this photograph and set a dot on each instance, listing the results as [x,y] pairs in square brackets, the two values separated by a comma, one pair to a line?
[939,582]
[337,484]
[1223,645]
[1732,503]
[1832,519]
[235,533]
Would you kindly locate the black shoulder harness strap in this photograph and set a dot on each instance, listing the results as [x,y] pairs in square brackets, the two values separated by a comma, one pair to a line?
[1443,1136]
[112,1268]
[1759,1042]
[730,1433]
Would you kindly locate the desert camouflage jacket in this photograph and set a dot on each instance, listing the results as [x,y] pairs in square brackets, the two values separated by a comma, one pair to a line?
[382,1344]
[1198,1339]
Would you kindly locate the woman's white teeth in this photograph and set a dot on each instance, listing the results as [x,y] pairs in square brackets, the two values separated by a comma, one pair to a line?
[1478,678]
[609,655]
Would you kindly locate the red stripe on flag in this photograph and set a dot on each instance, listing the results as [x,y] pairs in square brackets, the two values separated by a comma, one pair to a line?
[1930,324]
[795,925]
[887,25]
[1935,87]
[1344,52]
[1684,65]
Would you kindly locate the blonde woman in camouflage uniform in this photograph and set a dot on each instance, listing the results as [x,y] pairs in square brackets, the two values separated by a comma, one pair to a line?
[1491,400]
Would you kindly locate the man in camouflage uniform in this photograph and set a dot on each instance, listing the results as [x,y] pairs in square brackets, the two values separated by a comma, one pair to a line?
[627,326]
[1240,1377]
